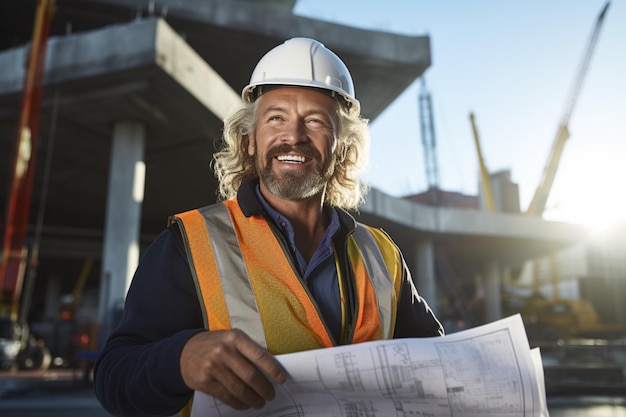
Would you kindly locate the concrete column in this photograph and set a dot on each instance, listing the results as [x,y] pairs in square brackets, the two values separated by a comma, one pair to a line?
[425,269]
[52,303]
[123,215]
[493,299]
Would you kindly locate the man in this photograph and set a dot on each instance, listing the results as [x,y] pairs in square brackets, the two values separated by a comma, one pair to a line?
[278,266]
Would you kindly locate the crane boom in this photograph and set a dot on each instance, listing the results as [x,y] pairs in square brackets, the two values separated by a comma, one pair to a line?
[538,203]
[484,173]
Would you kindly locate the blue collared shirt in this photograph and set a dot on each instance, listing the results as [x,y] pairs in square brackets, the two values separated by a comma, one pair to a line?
[320,273]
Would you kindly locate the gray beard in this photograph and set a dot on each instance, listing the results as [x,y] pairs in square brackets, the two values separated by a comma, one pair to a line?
[293,186]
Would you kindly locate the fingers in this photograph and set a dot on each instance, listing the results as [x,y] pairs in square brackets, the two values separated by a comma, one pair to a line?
[263,360]
[231,367]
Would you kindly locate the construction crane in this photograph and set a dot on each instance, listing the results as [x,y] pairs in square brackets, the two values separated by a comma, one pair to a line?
[484,174]
[14,260]
[443,268]
[538,203]
[429,141]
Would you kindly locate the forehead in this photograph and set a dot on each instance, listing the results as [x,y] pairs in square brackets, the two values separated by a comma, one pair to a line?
[299,96]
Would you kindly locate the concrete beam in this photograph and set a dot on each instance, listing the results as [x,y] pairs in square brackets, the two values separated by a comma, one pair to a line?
[122,48]
[232,35]
[463,222]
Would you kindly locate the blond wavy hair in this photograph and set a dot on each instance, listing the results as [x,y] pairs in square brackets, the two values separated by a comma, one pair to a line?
[232,164]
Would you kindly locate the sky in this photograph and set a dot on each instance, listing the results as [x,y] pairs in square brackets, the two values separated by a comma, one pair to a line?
[512,63]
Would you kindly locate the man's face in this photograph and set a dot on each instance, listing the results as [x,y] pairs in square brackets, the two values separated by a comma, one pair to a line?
[293,142]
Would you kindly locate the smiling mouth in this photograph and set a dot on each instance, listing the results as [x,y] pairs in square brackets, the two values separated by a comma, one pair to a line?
[292,159]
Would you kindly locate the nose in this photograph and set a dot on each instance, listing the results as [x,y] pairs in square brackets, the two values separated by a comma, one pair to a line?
[294,132]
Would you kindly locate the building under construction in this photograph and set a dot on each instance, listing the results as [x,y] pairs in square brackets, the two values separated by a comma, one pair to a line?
[125,106]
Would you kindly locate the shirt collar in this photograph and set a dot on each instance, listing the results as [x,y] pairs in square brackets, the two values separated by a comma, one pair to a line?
[284,225]
[250,203]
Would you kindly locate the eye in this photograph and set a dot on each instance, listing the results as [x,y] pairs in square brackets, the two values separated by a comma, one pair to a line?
[315,122]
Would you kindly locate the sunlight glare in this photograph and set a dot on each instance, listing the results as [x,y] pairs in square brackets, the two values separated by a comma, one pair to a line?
[589,191]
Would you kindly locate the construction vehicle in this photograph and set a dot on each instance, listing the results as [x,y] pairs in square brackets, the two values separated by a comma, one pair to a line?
[18,260]
[548,319]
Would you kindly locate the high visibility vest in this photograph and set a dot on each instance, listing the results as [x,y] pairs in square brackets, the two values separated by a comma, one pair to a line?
[246,280]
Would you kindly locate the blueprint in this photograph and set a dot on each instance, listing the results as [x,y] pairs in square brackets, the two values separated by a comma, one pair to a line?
[485,371]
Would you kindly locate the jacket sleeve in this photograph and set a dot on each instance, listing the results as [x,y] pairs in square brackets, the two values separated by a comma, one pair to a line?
[138,370]
[414,317]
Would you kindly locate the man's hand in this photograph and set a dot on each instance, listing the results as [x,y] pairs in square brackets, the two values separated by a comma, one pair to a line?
[231,367]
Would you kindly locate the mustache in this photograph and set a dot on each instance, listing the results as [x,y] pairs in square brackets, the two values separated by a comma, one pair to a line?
[303,149]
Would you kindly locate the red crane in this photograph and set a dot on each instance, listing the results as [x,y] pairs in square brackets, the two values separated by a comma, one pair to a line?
[14,256]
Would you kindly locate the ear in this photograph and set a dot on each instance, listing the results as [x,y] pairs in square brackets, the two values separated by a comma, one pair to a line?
[251,144]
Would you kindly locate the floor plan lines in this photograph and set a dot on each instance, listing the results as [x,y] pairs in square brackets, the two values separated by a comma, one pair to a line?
[487,371]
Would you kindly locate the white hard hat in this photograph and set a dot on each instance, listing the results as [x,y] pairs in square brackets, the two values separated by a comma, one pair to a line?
[302,62]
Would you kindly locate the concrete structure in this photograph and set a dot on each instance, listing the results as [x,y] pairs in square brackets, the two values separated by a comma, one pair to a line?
[157,78]
[469,244]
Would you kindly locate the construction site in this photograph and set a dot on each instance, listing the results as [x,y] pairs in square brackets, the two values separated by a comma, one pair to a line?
[108,107]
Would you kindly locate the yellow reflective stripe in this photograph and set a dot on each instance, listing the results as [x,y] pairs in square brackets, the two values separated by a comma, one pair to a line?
[343,337]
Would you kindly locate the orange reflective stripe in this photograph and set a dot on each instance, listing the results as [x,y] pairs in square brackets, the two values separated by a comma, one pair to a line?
[368,320]
[205,269]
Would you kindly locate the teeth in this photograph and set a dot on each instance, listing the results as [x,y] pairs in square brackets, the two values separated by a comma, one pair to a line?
[291,158]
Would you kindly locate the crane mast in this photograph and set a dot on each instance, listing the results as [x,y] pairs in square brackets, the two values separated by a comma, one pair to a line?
[429,142]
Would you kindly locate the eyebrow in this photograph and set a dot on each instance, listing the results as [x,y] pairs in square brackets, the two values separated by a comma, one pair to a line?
[282,109]
[275,109]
